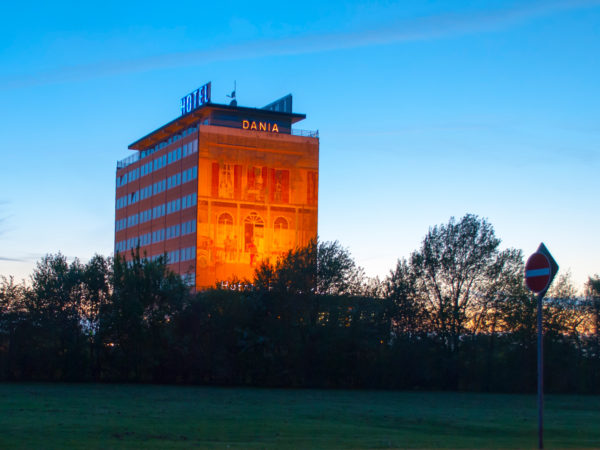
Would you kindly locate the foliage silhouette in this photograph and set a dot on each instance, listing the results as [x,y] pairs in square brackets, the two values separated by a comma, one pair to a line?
[455,315]
[320,267]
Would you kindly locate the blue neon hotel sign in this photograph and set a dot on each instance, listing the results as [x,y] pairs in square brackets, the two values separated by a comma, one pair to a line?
[195,99]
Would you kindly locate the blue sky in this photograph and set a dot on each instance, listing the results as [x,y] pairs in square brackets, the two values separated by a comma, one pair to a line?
[426,110]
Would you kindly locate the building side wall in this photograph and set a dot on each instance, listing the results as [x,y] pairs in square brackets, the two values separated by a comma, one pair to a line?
[156,205]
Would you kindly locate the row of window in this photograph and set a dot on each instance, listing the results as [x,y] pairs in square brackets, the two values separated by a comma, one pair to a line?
[158,163]
[188,201]
[157,236]
[185,254]
[184,202]
[132,220]
[188,227]
[181,229]
[158,187]
[122,202]
[175,205]
[146,192]
[172,139]
[174,231]
[145,239]
[158,211]
[173,257]
[183,177]
[145,216]
[131,176]
[174,181]
[189,174]
[174,155]
[145,169]
[122,246]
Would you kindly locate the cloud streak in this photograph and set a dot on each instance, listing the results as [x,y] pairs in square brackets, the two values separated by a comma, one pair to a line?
[425,28]
[5,258]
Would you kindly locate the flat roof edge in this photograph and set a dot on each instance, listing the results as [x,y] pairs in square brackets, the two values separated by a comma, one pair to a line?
[191,117]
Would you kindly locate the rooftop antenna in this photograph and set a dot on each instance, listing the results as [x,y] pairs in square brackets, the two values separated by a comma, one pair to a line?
[232,96]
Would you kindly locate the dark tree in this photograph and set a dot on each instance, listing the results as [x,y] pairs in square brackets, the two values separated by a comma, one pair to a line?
[401,287]
[453,270]
[12,295]
[592,312]
[13,323]
[133,327]
[56,335]
[318,268]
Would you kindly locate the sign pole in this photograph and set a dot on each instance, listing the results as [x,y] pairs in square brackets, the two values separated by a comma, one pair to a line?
[540,371]
[540,270]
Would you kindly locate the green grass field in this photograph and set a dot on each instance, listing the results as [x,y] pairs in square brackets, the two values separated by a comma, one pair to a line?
[149,416]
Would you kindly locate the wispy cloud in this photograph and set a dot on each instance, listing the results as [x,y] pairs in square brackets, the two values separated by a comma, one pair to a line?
[25,257]
[425,28]
[5,258]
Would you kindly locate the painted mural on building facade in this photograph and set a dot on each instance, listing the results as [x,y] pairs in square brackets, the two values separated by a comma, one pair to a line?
[254,203]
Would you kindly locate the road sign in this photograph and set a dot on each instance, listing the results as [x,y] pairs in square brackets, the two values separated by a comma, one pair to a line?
[537,272]
[540,270]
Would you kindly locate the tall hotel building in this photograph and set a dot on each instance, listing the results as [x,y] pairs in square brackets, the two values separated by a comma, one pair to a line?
[219,189]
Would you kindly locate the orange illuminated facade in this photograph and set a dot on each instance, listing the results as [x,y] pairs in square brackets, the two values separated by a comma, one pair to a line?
[218,190]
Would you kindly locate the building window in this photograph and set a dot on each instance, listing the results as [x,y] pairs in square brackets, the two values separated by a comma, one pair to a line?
[188,253]
[226,238]
[225,228]
[280,186]
[254,233]
[281,236]
[226,181]
[188,227]
[256,183]
[225,219]
[280,223]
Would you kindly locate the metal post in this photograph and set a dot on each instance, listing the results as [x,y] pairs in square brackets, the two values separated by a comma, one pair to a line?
[540,371]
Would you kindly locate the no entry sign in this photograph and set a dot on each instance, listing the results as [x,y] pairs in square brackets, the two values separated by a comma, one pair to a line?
[537,272]
[540,270]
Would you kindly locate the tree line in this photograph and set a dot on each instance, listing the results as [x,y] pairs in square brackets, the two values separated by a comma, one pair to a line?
[454,315]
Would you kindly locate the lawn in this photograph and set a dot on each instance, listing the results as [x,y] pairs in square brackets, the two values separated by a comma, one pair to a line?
[149,416]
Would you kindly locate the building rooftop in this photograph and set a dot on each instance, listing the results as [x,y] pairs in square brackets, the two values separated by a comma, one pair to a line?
[220,115]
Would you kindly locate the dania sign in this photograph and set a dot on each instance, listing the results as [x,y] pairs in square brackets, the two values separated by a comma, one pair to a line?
[260,126]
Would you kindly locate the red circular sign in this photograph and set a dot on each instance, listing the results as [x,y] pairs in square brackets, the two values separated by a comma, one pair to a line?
[537,272]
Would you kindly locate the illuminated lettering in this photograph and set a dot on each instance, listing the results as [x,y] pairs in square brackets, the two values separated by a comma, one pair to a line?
[261,126]
[204,94]
[195,99]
